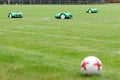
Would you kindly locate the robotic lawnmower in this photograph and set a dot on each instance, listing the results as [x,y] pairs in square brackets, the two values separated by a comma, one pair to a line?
[92,10]
[63,15]
[15,15]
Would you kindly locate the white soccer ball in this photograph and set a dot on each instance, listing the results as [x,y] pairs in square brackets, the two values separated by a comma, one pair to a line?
[91,65]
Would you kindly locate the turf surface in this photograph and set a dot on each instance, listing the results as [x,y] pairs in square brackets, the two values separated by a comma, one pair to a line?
[40,47]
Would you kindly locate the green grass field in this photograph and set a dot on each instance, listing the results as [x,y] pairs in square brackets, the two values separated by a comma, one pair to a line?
[40,47]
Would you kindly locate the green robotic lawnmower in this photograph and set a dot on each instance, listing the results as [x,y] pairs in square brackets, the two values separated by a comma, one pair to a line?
[63,15]
[15,15]
[92,10]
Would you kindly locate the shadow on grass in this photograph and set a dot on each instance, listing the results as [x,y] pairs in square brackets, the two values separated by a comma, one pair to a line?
[94,75]
[80,75]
